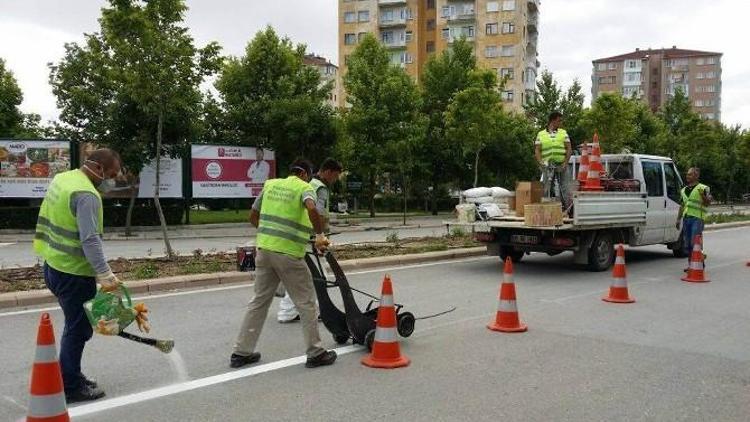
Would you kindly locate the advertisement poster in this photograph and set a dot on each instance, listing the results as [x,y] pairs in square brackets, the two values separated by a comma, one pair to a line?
[230,172]
[170,178]
[28,166]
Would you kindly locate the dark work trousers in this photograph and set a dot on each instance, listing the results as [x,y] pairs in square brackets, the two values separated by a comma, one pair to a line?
[72,291]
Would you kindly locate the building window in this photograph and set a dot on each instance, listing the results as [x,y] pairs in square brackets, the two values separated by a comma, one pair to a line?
[468,31]
[711,75]
[446,11]
[509,5]
[509,27]
[700,75]
[408,36]
[490,51]
[700,61]
[711,60]
[430,4]
[387,37]
[430,46]
[611,66]
[406,14]
[363,16]
[350,39]
[699,103]
[607,80]
[601,67]
[430,24]
[633,77]
[709,116]
[631,64]
[350,17]
[507,51]
[491,29]
[493,6]
[507,96]
[506,71]
[446,33]
[386,15]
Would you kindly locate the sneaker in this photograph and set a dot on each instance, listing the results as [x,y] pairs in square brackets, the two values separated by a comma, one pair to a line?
[237,361]
[286,321]
[324,359]
[87,381]
[85,393]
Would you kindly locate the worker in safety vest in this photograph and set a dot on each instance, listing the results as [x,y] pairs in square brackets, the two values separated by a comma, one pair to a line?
[328,174]
[69,239]
[696,197]
[552,151]
[285,214]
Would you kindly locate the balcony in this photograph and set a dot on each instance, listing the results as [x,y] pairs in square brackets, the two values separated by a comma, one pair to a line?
[392,22]
[391,2]
[533,24]
[395,44]
[462,17]
[533,5]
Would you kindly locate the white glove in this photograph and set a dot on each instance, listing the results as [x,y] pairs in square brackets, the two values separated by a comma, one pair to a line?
[108,281]
[321,242]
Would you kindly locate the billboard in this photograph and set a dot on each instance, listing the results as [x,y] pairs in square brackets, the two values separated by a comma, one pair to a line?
[28,166]
[230,172]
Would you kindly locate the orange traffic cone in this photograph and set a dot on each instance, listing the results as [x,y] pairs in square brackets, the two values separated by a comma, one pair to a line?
[506,319]
[696,272]
[386,352]
[618,291]
[583,169]
[47,394]
[595,167]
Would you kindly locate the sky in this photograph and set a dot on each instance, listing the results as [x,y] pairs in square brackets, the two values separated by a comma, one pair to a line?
[572,33]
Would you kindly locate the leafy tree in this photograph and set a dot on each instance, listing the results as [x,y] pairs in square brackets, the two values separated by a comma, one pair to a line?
[550,97]
[13,122]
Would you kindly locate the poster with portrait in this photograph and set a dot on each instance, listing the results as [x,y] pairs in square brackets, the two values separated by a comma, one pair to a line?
[28,166]
[229,171]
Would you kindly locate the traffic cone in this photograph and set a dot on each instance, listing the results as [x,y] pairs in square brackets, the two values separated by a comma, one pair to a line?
[47,394]
[595,167]
[696,273]
[583,169]
[386,352]
[506,319]
[618,291]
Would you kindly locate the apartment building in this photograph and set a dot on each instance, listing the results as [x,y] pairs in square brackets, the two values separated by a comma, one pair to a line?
[328,73]
[653,75]
[504,34]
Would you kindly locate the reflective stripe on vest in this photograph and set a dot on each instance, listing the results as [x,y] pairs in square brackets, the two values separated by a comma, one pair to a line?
[553,149]
[693,204]
[284,224]
[57,237]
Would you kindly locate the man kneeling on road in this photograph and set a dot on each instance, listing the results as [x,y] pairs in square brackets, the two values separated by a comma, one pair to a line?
[286,216]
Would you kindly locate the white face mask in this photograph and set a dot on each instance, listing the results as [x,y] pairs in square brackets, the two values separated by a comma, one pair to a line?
[106,185]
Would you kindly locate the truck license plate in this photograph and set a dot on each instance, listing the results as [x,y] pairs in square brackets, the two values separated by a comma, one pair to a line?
[524,239]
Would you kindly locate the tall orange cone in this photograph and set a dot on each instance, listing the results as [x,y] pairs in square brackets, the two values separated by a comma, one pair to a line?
[386,352]
[618,291]
[696,272]
[506,319]
[583,169]
[47,402]
[593,182]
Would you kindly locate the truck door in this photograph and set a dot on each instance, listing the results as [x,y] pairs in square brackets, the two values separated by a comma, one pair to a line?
[672,201]
[656,213]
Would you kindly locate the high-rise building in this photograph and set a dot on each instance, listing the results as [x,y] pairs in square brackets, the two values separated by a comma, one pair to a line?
[328,73]
[654,76]
[504,34]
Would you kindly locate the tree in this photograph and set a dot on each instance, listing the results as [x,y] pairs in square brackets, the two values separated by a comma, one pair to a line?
[613,118]
[273,100]
[13,122]
[571,106]
[134,86]
[550,97]
[384,112]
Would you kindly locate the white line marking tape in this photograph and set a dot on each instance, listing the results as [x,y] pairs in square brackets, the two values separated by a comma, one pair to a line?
[195,384]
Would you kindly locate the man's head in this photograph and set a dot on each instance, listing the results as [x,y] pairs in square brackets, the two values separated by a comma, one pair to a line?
[330,171]
[102,164]
[301,168]
[693,175]
[555,120]
[259,154]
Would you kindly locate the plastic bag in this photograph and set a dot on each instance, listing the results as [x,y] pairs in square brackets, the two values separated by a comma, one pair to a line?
[481,200]
[477,192]
[108,313]
[498,192]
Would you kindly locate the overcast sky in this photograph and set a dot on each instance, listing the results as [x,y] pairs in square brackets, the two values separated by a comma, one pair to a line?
[572,34]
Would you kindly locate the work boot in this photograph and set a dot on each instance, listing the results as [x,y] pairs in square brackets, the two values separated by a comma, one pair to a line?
[85,393]
[87,381]
[237,361]
[324,359]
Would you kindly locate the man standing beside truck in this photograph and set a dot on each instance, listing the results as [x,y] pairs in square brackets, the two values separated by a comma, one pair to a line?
[696,197]
[552,151]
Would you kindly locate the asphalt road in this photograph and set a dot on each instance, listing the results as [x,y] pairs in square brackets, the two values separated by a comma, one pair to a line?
[680,353]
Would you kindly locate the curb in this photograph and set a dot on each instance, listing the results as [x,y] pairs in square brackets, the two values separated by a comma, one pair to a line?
[41,297]
[720,226]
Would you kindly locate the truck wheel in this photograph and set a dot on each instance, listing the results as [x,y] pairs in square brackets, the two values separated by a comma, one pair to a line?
[602,253]
[678,248]
[508,251]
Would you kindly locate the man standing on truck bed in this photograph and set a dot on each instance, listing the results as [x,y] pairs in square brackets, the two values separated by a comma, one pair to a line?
[552,152]
[695,199]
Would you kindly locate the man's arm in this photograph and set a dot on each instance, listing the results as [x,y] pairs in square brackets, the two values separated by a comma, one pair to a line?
[320,204]
[706,197]
[568,151]
[86,209]
[538,153]
[255,210]
[312,212]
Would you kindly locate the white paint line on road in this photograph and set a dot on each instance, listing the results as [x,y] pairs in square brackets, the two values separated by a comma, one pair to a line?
[195,384]
[6,244]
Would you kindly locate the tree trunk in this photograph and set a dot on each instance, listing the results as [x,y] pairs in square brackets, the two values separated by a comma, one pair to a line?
[372,195]
[476,168]
[162,221]
[129,215]
[403,189]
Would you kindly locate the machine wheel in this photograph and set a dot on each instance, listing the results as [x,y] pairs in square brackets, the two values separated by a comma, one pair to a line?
[369,340]
[340,339]
[508,251]
[405,324]
[601,253]
[678,248]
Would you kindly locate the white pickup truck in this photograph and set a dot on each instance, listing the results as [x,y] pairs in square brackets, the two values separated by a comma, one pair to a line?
[600,219]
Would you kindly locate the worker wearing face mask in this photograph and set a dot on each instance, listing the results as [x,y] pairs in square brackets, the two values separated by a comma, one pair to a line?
[68,238]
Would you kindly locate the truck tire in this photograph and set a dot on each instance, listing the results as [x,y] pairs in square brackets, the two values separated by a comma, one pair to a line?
[601,253]
[509,251]
[678,248]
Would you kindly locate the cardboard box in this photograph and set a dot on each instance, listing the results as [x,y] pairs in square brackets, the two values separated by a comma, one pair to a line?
[527,193]
[543,215]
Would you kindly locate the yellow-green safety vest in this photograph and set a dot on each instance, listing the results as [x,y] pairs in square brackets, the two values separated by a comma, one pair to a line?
[284,225]
[57,239]
[693,204]
[553,149]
